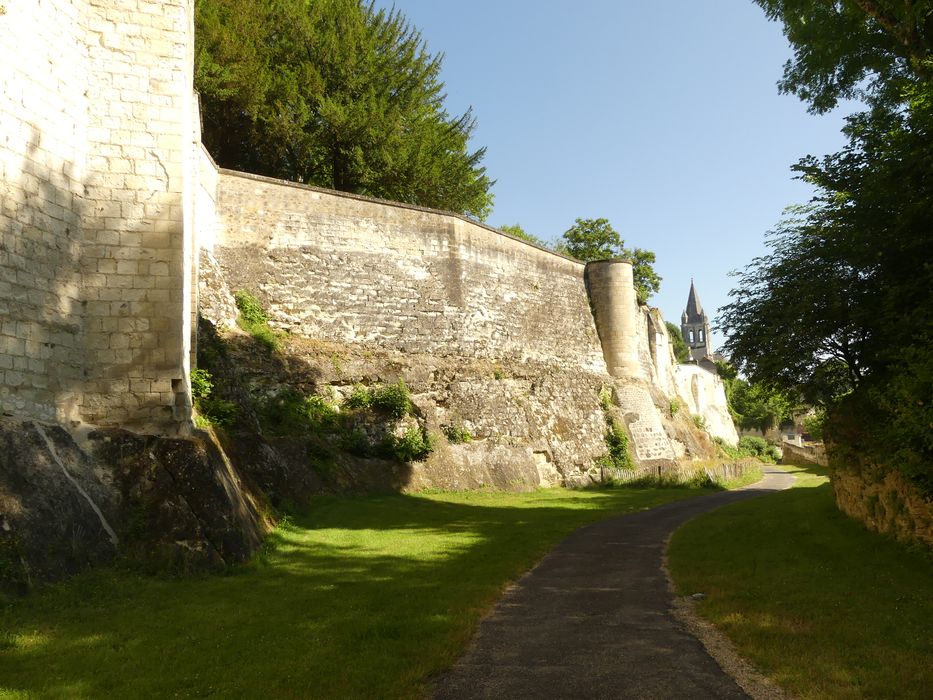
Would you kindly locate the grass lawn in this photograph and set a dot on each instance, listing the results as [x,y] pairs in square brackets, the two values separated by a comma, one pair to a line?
[356,598]
[821,605]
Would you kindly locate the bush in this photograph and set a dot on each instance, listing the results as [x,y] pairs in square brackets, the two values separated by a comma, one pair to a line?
[752,446]
[290,413]
[457,434]
[254,320]
[617,443]
[251,310]
[356,443]
[360,398]
[674,406]
[212,411]
[394,399]
[699,421]
[201,384]
[219,412]
[413,446]
[605,398]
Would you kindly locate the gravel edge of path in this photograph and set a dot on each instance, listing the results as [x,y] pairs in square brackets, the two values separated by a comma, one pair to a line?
[718,645]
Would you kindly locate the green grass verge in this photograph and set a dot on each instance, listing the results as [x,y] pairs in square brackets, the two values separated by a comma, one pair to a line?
[821,605]
[355,598]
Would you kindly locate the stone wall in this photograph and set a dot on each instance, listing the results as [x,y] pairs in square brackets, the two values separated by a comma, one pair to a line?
[804,454]
[362,273]
[96,142]
[883,499]
[108,196]
[347,269]
[43,113]
[703,394]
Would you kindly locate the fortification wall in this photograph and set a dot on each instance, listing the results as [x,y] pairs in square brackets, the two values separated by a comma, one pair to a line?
[96,155]
[348,269]
[43,112]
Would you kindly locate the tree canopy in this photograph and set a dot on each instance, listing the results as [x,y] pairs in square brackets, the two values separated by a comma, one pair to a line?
[876,50]
[839,306]
[595,239]
[337,94]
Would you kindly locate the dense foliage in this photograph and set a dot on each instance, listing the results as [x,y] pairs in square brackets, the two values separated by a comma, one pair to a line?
[680,347]
[334,93]
[595,239]
[839,307]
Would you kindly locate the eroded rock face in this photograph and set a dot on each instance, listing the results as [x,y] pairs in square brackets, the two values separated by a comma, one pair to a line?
[56,505]
[522,424]
[164,503]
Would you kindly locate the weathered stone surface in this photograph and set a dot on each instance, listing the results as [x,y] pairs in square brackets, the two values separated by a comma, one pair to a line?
[170,503]
[49,490]
[346,269]
[529,424]
[884,500]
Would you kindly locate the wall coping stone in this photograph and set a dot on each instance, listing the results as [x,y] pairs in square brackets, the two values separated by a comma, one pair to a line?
[397,205]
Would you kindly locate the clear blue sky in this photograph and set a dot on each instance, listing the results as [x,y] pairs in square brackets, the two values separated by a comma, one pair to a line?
[662,117]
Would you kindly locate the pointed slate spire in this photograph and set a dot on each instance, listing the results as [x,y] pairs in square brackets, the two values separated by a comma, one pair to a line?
[694,310]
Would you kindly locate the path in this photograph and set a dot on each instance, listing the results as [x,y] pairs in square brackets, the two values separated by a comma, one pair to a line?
[593,620]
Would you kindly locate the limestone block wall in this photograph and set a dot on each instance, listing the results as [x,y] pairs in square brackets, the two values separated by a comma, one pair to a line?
[95,146]
[134,262]
[347,269]
[43,112]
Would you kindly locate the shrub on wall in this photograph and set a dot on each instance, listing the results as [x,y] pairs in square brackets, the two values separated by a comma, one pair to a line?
[211,409]
[289,413]
[414,445]
[253,320]
[394,399]
[457,434]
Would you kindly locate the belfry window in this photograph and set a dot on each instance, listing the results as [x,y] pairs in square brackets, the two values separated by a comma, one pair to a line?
[702,339]
[691,336]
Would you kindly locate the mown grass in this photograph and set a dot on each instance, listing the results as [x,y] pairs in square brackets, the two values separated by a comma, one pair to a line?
[821,605]
[355,598]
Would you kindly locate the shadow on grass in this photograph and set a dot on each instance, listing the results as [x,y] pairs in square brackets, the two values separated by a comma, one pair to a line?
[353,598]
[810,596]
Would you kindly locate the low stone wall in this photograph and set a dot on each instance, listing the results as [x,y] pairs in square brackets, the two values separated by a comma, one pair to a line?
[885,502]
[806,454]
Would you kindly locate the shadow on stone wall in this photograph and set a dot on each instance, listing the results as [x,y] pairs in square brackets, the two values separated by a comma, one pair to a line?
[287,463]
[41,308]
[66,504]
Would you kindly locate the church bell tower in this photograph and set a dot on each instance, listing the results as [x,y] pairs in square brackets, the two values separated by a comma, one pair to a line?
[694,326]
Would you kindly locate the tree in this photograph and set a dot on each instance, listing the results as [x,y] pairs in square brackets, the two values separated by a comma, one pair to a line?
[754,406]
[517,231]
[679,345]
[595,239]
[876,50]
[757,407]
[337,94]
[839,308]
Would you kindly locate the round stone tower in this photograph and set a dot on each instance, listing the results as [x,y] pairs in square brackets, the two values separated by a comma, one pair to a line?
[615,308]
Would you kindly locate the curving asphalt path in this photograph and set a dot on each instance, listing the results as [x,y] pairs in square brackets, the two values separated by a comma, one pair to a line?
[593,620]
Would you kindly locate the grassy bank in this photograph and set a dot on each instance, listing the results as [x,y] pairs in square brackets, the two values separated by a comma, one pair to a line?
[824,607]
[355,598]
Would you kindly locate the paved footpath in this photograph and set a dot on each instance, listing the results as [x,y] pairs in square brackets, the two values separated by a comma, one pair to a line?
[593,620]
